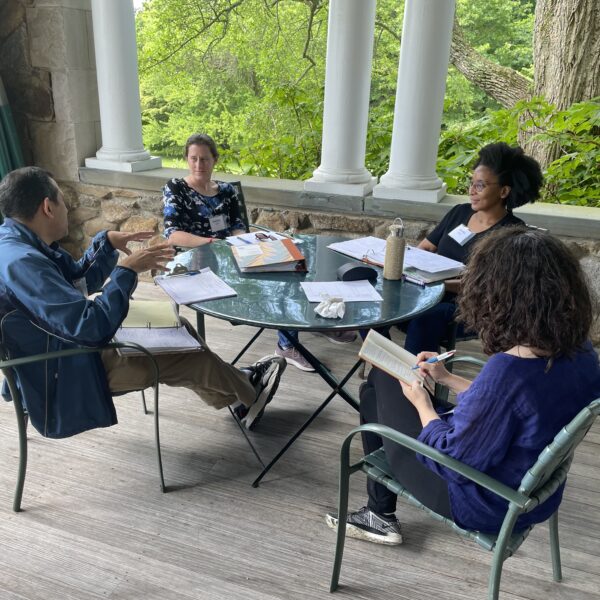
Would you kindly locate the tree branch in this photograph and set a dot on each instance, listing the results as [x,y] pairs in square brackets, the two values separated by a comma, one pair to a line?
[503,84]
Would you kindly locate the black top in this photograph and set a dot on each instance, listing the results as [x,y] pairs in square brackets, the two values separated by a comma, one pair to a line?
[460,215]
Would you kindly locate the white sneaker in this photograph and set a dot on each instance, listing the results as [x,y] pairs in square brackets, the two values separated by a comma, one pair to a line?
[364,524]
[337,337]
[264,376]
[293,357]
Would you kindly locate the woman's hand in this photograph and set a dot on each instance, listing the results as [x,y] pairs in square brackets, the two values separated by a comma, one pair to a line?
[419,398]
[119,239]
[437,371]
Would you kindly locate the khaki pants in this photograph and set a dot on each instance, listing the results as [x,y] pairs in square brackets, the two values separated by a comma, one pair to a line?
[215,381]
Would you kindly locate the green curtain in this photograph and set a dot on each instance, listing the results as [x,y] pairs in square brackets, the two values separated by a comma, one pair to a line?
[11,156]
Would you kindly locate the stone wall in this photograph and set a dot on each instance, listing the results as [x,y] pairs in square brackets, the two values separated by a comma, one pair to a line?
[48,69]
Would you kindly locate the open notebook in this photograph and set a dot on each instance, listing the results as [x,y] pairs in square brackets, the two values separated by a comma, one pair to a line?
[155,325]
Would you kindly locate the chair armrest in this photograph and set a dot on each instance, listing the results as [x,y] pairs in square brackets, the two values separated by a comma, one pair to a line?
[466,359]
[499,488]
[24,360]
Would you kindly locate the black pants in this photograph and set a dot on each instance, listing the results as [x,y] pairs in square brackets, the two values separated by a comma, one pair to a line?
[382,401]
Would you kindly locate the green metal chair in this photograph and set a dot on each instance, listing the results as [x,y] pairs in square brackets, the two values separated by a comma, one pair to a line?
[538,484]
[8,365]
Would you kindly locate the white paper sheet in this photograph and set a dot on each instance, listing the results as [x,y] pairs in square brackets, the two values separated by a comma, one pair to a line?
[157,341]
[348,291]
[428,261]
[196,287]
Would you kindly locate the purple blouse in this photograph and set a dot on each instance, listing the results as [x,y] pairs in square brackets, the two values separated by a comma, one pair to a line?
[511,412]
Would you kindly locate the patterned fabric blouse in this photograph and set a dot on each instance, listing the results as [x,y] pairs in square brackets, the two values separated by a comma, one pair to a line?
[187,210]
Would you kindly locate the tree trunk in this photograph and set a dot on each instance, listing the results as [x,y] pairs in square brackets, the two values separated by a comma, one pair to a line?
[566,51]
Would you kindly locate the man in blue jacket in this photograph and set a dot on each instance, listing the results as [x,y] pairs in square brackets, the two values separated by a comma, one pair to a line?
[44,306]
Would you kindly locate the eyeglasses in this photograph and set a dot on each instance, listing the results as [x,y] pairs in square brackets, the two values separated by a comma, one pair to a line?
[479,186]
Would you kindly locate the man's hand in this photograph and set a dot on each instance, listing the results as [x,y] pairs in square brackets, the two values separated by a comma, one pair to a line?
[119,239]
[154,257]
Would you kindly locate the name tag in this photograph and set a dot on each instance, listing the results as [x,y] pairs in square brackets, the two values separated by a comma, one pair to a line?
[217,223]
[461,234]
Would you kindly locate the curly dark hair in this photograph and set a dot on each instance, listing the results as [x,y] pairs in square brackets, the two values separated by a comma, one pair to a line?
[201,139]
[525,287]
[515,169]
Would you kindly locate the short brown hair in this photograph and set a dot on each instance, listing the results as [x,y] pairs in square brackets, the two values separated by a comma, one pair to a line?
[202,139]
[525,287]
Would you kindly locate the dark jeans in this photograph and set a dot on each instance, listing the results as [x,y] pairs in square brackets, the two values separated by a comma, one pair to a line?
[426,331]
[382,401]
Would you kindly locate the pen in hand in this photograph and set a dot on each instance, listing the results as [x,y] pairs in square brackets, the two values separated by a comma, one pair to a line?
[438,358]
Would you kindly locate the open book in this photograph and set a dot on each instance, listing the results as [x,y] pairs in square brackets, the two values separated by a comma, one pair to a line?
[155,325]
[277,255]
[391,358]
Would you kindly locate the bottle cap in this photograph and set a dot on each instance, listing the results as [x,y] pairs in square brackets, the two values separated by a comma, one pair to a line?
[397,227]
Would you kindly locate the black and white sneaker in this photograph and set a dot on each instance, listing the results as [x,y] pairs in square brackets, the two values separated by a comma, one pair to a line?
[264,376]
[364,524]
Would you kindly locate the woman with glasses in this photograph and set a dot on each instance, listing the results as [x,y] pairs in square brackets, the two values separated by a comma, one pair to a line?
[197,208]
[503,178]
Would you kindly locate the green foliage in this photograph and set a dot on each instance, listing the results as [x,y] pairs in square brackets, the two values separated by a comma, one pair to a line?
[573,178]
[251,74]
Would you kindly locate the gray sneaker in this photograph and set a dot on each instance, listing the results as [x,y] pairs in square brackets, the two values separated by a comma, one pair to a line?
[264,376]
[364,524]
[337,337]
[293,357]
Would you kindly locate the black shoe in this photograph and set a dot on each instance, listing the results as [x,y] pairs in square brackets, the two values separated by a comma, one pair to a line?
[265,376]
[364,524]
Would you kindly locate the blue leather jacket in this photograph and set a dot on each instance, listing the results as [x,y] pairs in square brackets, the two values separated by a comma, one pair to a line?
[43,308]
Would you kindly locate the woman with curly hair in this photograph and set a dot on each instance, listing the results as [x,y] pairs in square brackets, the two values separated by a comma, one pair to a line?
[533,316]
[503,179]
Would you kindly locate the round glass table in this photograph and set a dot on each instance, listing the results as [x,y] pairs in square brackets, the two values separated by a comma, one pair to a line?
[276,300]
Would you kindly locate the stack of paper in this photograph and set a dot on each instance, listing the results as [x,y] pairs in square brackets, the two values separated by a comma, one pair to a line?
[195,286]
[368,249]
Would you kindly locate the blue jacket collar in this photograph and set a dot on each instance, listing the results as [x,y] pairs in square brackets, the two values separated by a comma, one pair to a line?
[29,236]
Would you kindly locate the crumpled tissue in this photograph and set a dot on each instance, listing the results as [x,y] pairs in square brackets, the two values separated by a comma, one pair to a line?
[331,308]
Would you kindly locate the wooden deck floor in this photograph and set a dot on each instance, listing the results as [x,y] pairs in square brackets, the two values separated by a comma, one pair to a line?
[95,525]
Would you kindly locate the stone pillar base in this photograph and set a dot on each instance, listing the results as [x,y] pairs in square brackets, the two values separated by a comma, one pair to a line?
[397,193]
[342,189]
[154,162]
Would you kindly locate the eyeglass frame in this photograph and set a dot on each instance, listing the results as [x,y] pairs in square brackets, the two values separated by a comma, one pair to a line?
[480,185]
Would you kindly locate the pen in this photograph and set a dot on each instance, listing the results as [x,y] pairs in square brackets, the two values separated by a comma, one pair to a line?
[413,280]
[438,358]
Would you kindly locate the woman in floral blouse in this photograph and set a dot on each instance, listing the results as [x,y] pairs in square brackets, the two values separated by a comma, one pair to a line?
[196,208]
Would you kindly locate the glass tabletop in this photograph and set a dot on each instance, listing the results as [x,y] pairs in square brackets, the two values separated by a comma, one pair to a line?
[277,301]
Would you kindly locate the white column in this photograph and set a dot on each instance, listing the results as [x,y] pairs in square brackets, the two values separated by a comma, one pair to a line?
[118,89]
[346,107]
[422,72]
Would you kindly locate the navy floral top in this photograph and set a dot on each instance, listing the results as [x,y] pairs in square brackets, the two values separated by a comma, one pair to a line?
[187,210]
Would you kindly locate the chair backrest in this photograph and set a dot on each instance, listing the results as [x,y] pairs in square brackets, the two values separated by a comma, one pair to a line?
[239,194]
[551,468]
